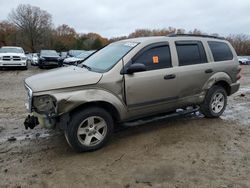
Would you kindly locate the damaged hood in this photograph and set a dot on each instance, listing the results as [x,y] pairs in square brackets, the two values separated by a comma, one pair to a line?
[62,78]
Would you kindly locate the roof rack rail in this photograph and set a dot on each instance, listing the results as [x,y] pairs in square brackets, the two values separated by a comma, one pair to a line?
[194,35]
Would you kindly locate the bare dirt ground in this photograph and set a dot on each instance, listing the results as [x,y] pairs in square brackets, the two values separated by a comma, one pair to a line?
[181,152]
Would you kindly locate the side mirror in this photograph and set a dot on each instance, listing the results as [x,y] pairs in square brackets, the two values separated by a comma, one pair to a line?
[137,67]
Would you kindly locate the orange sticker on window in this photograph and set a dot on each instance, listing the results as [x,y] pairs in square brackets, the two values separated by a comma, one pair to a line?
[155,59]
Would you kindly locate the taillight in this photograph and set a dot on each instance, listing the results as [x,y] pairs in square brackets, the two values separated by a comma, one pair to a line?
[239,75]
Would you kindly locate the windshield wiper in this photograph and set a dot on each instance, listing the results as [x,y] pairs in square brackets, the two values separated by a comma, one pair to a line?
[85,66]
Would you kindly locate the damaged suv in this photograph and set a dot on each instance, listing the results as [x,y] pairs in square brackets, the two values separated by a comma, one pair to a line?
[130,80]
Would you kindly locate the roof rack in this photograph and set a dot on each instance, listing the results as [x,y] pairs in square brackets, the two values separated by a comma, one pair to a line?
[194,35]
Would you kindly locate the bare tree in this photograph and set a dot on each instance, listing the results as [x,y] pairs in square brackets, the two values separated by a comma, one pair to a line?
[33,22]
[241,43]
[7,33]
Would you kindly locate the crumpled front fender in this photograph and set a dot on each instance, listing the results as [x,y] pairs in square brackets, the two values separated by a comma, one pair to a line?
[67,101]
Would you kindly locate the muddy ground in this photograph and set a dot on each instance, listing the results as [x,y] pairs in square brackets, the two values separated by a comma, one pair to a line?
[181,152]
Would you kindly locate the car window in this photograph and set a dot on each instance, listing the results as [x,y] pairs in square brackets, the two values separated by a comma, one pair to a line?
[220,51]
[155,58]
[190,53]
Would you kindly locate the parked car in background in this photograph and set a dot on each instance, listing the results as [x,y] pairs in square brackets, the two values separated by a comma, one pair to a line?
[63,55]
[49,58]
[244,60]
[12,56]
[34,59]
[74,53]
[78,59]
[29,58]
[133,79]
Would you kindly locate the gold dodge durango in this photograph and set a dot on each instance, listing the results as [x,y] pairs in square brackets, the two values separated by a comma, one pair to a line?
[133,79]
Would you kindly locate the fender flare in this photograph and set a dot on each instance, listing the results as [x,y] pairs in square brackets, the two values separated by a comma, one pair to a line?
[215,78]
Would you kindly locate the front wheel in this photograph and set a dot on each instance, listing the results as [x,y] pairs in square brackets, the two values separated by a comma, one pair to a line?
[89,129]
[215,102]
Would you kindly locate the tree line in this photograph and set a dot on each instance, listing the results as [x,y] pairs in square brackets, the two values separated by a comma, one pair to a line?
[32,28]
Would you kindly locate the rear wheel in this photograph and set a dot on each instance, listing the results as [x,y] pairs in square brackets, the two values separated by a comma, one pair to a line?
[215,102]
[89,129]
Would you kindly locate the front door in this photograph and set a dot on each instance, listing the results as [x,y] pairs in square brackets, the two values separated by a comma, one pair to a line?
[157,85]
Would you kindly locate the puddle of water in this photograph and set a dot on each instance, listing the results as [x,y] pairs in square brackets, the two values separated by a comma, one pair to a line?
[244,90]
[238,111]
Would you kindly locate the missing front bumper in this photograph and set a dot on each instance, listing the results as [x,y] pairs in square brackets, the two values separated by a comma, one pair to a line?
[31,122]
[44,121]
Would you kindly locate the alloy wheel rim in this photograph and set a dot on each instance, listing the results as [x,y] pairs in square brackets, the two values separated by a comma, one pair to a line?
[218,102]
[92,131]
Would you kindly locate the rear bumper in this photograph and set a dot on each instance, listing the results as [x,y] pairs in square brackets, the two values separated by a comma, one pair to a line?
[13,63]
[234,87]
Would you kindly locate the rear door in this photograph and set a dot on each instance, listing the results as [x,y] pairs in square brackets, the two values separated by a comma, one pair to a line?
[194,69]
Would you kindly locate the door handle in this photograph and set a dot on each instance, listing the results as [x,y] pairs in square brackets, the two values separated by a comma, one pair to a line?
[169,76]
[209,71]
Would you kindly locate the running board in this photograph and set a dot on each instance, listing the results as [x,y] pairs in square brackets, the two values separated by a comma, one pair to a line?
[179,112]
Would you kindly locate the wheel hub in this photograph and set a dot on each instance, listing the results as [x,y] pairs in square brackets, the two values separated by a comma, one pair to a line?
[92,130]
[217,103]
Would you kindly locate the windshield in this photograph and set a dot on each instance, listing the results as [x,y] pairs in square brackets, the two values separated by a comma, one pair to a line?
[49,53]
[11,50]
[83,55]
[104,59]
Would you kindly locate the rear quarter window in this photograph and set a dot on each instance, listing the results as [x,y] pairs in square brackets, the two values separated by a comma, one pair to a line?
[220,51]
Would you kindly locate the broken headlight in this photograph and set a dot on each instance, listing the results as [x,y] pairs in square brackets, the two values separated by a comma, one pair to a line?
[45,104]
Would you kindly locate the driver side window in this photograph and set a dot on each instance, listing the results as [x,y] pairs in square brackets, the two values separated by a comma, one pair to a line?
[155,58]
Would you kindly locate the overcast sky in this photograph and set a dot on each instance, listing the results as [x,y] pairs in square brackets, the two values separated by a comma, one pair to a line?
[112,18]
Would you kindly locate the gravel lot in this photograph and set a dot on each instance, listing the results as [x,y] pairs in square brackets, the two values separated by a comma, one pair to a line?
[181,152]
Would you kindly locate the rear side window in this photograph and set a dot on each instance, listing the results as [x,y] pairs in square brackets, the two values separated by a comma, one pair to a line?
[156,58]
[190,53]
[220,51]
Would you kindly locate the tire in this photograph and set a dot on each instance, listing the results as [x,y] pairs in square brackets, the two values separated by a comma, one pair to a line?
[215,102]
[89,129]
